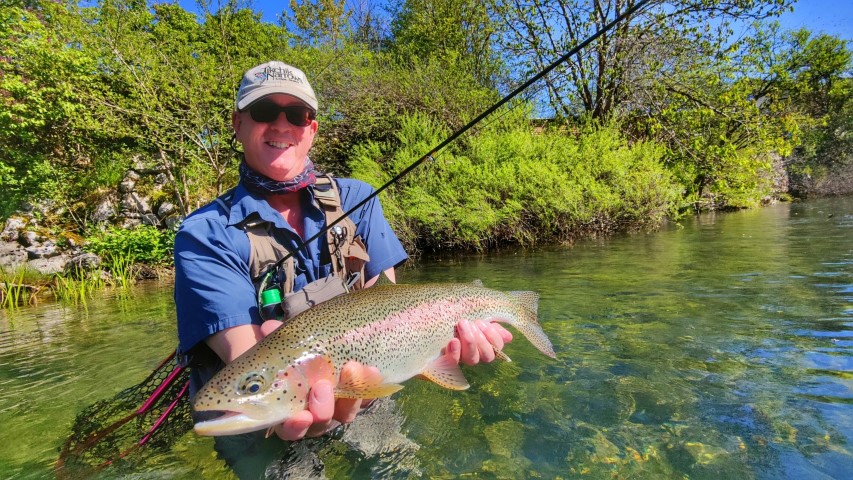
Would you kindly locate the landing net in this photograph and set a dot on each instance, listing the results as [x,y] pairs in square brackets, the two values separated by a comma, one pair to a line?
[153,414]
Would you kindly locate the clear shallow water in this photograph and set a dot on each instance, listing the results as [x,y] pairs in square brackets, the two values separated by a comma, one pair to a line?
[718,348]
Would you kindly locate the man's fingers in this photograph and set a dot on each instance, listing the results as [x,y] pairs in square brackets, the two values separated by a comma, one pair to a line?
[468,337]
[353,372]
[454,348]
[505,334]
[484,343]
[346,409]
[493,336]
[296,426]
[321,407]
[321,401]
[479,340]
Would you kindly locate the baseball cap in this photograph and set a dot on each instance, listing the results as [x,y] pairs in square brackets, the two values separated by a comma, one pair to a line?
[274,77]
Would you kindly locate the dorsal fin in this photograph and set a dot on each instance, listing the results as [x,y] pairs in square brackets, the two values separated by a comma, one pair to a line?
[478,283]
[384,280]
[529,300]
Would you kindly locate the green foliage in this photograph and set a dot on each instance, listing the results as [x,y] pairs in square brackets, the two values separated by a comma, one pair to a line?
[121,266]
[727,116]
[88,87]
[77,291]
[45,128]
[817,77]
[321,22]
[366,96]
[508,184]
[457,31]
[19,286]
[144,244]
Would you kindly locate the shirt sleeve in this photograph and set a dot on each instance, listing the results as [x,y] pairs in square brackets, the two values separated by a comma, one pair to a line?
[213,288]
[382,244]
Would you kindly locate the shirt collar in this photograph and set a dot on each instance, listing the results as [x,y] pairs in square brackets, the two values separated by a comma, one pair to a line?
[245,204]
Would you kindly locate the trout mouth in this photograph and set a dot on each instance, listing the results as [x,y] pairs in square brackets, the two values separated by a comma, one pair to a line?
[229,422]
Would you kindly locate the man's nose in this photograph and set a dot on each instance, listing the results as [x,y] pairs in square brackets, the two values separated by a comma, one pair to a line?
[281,122]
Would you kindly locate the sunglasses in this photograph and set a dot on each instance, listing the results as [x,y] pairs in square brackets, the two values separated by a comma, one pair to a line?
[268,112]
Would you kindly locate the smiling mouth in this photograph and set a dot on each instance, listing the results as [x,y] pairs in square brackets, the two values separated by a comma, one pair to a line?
[280,145]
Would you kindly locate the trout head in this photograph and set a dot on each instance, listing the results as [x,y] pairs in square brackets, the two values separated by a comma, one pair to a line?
[252,393]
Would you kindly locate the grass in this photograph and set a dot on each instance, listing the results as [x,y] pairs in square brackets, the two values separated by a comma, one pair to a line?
[121,266]
[20,286]
[77,290]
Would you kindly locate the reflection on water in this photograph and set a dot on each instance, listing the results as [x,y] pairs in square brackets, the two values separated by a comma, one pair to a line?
[718,348]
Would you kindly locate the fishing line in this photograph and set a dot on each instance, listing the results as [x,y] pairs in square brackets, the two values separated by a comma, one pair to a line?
[435,150]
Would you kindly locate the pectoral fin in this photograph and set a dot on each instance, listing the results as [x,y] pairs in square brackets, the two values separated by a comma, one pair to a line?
[364,383]
[445,371]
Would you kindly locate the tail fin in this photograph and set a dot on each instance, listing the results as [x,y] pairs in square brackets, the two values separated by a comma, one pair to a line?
[529,326]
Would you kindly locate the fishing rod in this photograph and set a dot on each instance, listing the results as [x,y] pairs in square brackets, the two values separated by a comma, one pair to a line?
[97,439]
[458,133]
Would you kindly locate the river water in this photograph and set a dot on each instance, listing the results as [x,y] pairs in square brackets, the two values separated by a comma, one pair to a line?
[719,347]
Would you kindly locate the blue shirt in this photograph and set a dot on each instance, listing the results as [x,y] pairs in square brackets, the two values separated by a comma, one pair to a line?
[213,287]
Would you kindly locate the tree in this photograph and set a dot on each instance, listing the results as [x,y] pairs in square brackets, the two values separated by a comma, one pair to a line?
[47,133]
[459,32]
[319,22]
[172,84]
[812,74]
[602,80]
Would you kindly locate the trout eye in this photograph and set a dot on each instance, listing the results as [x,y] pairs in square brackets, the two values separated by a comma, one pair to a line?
[251,384]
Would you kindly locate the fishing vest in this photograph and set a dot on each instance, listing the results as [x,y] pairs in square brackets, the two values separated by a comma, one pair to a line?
[346,250]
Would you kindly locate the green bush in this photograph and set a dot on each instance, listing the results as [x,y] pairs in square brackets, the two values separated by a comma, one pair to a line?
[509,184]
[143,244]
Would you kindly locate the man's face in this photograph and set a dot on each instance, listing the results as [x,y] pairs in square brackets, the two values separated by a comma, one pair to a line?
[277,149]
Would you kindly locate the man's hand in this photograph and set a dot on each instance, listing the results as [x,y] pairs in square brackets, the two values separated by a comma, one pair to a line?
[477,341]
[323,408]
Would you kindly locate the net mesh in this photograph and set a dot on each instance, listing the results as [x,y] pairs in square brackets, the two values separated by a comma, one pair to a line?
[138,422]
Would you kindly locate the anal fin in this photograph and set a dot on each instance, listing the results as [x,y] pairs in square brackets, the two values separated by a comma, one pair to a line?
[445,371]
[500,355]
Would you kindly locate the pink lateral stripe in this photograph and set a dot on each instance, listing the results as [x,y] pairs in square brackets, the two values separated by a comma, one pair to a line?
[422,315]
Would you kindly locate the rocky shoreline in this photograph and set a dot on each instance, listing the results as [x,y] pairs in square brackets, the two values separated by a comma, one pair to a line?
[25,241]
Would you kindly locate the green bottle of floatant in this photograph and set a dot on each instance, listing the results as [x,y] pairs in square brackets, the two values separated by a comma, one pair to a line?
[271,304]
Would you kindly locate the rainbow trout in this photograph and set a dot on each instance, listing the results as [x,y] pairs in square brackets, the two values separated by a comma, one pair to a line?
[400,329]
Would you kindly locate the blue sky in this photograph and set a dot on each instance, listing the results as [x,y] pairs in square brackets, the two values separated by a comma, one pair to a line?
[834,17]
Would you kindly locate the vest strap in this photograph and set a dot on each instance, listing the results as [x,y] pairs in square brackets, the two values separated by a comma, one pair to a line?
[346,249]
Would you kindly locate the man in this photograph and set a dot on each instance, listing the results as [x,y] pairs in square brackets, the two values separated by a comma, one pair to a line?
[215,292]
